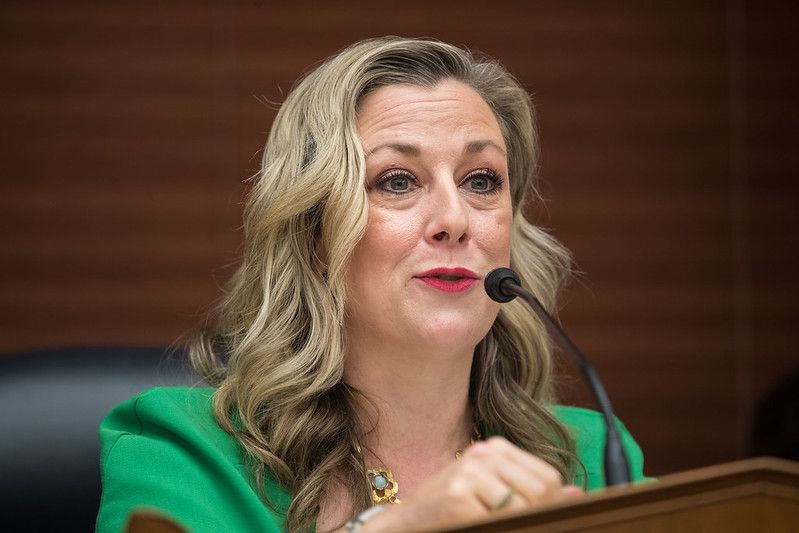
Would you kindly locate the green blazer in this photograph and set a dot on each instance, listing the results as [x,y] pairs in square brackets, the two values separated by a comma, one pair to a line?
[163,449]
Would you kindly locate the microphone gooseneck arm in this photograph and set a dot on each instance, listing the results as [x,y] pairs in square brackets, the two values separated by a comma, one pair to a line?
[503,285]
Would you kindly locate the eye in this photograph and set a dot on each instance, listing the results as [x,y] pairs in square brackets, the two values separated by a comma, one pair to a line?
[483,181]
[397,182]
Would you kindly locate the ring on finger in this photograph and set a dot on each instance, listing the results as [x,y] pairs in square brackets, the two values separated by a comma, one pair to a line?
[504,501]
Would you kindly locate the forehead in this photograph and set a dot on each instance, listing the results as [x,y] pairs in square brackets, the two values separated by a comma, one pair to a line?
[402,109]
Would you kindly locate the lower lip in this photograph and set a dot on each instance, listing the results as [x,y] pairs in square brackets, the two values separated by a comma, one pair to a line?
[443,285]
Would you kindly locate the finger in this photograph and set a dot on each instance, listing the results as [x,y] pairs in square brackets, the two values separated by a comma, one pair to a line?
[496,495]
[499,446]
[460,498]
[533,465]
[476,474]
[529,487]
[572,491]
[536,481]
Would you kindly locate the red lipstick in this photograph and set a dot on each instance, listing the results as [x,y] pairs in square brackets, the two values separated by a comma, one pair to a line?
[449,279]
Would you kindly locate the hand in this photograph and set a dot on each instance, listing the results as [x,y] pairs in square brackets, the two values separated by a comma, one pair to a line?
[493,475]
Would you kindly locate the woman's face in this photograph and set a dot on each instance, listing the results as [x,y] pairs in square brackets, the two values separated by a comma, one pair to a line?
[439,217]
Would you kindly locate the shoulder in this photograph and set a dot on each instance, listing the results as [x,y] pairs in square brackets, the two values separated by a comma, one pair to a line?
[184,411]
[161,402]
[164,449]
[172,403]
[175,399]
[587,428]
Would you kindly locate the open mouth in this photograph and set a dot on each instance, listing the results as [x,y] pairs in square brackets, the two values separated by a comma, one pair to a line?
[445,277]
[449,279]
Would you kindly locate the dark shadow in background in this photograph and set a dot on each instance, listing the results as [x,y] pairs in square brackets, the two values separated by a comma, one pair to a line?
[53,402]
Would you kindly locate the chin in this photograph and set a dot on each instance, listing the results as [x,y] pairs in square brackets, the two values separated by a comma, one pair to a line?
[455,334]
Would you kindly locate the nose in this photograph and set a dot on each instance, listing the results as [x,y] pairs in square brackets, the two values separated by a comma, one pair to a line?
[449,216]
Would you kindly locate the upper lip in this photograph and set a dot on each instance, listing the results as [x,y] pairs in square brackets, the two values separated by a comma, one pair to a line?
[444,271]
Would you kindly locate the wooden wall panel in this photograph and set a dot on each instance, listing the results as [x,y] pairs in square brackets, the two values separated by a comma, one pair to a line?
[668,135]
[772,167]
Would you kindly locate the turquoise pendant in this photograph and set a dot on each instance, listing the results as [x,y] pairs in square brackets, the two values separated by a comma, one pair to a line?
[384,487]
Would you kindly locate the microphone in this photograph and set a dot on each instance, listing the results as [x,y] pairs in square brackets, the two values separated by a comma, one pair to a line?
[503,285]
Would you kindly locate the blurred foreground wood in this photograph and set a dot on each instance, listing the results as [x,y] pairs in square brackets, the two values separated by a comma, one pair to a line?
[754,495]
[148,521]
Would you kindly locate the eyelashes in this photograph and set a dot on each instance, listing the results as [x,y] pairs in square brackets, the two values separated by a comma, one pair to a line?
[482,181]
[397,181]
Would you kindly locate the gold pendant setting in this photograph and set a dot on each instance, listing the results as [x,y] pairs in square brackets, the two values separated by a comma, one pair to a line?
[384,486]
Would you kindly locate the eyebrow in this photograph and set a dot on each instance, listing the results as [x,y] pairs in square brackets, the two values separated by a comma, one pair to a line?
[478,146]
[405,149]
[472,147]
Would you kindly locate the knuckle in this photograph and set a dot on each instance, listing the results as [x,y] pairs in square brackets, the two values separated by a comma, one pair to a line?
[469,468]
[551,476]
[478,450]
[536,490]
[456,490]
[547,473]
[497,440]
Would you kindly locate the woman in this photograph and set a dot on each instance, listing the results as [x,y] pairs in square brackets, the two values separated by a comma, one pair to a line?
[357,360]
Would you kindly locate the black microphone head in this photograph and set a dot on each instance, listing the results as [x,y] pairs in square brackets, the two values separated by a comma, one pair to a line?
[493,284]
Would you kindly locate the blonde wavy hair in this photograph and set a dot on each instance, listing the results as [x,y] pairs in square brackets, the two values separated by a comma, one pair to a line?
[276,354]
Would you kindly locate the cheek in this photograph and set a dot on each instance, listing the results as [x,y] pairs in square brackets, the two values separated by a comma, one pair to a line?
[495,235]
[388,237]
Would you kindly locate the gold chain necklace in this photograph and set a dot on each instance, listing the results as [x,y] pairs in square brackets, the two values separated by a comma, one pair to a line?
[384,487]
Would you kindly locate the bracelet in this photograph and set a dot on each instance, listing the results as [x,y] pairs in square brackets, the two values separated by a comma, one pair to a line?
[355,524]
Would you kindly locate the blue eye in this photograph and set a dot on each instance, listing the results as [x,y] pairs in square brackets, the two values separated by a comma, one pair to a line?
[483,181]
[397,182]
[480,184]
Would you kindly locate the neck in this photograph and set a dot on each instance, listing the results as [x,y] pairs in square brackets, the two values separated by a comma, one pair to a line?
[415,409]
